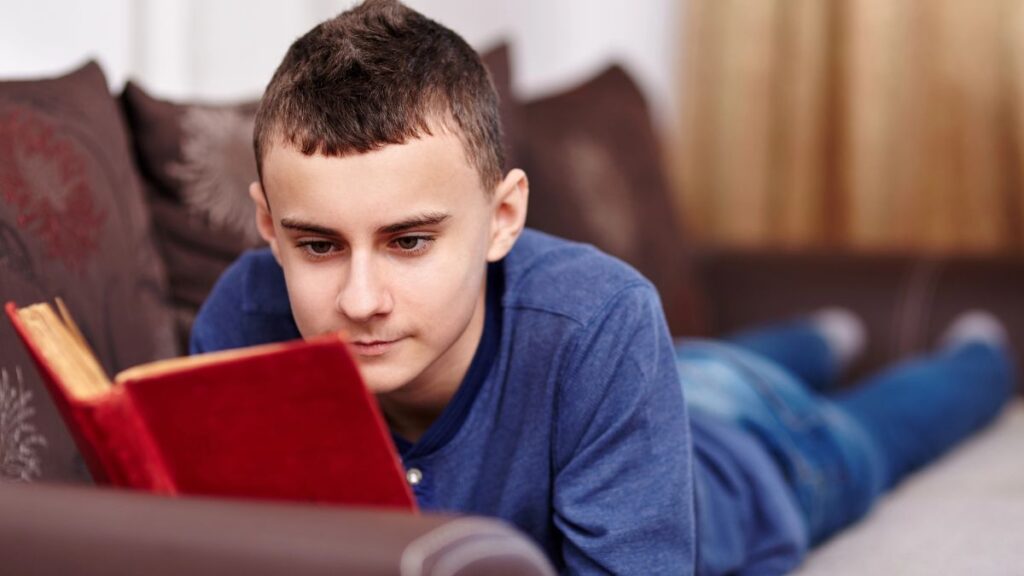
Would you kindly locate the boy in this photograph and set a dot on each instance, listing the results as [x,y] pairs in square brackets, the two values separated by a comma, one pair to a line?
[522,376]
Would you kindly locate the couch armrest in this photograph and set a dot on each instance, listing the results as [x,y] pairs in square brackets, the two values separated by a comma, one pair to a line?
[50,529]
[906,300]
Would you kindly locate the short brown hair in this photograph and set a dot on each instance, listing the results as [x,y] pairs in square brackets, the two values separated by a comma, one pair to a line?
[379,74]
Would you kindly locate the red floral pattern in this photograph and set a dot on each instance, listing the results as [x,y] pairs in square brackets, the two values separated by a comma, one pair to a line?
[44,177]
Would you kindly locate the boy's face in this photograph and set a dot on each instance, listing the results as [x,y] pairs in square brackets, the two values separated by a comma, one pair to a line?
[391,247]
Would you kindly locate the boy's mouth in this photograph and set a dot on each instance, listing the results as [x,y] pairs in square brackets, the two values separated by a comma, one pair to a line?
[369,348]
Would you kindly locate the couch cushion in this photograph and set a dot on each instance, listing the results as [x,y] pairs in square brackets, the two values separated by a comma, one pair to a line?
[961,515]
[498,61]
[198,162]
[594,165]
[73,224]
[47,530]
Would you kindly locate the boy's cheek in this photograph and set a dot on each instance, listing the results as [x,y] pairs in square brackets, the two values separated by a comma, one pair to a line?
[312,304]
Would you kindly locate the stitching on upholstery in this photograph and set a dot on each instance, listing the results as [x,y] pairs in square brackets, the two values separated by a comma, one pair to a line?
[463,556]
[416,553]
[915,311]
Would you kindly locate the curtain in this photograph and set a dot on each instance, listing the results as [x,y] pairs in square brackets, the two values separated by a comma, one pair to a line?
[865,124]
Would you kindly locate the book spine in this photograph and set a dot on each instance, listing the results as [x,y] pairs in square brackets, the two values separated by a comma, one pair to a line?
[108,431]
[122,440]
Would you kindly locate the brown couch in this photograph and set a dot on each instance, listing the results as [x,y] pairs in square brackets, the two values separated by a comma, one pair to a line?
[84,215]
[130,206]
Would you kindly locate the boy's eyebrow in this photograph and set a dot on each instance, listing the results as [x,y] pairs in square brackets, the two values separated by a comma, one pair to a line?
[428,219]
[301,226]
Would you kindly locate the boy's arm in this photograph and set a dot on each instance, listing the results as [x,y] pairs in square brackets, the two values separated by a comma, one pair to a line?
[624,494]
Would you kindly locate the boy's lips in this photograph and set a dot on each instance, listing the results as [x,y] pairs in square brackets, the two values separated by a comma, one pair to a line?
[369,348]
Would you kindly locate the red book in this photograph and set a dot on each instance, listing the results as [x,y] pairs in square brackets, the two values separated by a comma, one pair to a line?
[289,421]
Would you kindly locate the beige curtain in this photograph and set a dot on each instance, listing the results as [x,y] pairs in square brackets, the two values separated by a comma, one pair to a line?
[867,124]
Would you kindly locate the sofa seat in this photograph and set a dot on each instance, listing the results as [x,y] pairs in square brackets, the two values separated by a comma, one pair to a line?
[154,239]
[962,515]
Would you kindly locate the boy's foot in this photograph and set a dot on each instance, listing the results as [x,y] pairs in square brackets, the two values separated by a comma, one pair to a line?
[844,332]
[975,326]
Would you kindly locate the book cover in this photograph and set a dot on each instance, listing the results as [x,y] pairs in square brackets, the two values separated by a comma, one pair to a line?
[289,421]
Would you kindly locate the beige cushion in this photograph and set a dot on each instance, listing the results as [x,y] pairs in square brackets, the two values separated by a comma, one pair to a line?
[962,515]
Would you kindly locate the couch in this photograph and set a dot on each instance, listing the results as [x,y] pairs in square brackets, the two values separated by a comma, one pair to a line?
[129,206]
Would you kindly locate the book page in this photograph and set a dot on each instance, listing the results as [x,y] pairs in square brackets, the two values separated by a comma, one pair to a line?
[72,327]
[159,367]
[65,352]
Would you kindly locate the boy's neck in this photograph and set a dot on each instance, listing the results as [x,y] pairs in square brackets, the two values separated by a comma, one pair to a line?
[410,425]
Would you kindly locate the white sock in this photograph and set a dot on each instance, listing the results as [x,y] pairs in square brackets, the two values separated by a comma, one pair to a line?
[844,332]
[975,326]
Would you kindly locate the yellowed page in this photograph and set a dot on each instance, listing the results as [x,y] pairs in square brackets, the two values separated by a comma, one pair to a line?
[186,362]
[74,364]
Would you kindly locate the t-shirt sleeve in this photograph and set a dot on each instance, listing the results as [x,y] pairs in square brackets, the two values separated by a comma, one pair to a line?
[624,493]
[222,322]
[247,306]
[219,321]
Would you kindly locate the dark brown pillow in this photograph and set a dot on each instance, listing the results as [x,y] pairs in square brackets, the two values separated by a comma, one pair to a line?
[73,224]
[595,173]
[198,163]
[498,61]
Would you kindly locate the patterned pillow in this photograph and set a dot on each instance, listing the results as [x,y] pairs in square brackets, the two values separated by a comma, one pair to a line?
[73,224]
[198,163]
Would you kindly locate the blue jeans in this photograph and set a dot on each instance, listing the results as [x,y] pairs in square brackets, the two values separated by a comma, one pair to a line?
[838,452]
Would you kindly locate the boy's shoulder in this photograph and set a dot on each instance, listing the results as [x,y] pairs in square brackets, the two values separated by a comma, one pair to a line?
[248,305]
[567,278]
[254,283]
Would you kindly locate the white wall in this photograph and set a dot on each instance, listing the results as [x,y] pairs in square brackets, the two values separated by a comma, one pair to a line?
[557,43]
[42,37]
[227,49]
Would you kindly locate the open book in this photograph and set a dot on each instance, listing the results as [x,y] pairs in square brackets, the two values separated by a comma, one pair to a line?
[288,421]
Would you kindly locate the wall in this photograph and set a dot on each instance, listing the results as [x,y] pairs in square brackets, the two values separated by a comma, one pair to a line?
[227,49]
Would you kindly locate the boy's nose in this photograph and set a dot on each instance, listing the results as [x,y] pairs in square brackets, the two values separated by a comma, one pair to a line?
[363,295]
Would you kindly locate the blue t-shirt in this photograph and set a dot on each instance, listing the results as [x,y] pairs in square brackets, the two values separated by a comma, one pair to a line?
[570,422]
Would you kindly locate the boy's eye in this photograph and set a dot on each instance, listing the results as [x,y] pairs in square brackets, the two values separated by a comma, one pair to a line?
[408,243]
[412,244]
[317,247]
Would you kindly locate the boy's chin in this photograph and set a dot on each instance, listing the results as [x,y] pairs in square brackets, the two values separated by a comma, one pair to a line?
[379,380]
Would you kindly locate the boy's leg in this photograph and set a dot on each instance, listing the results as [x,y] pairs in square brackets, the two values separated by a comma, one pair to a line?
[828,461]
[838,455]
[919,409]
[815,349]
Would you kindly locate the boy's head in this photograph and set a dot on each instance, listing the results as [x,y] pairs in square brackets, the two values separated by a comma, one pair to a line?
[376,75]
[382,197]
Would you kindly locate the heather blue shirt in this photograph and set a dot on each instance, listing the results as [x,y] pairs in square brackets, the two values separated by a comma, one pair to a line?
[570,423]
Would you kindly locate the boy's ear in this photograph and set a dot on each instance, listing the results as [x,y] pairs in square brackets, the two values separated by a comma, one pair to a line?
[264,221]
[508,213]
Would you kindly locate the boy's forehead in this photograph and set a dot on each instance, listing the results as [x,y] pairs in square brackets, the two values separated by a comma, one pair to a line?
[423,173]
[439,155]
